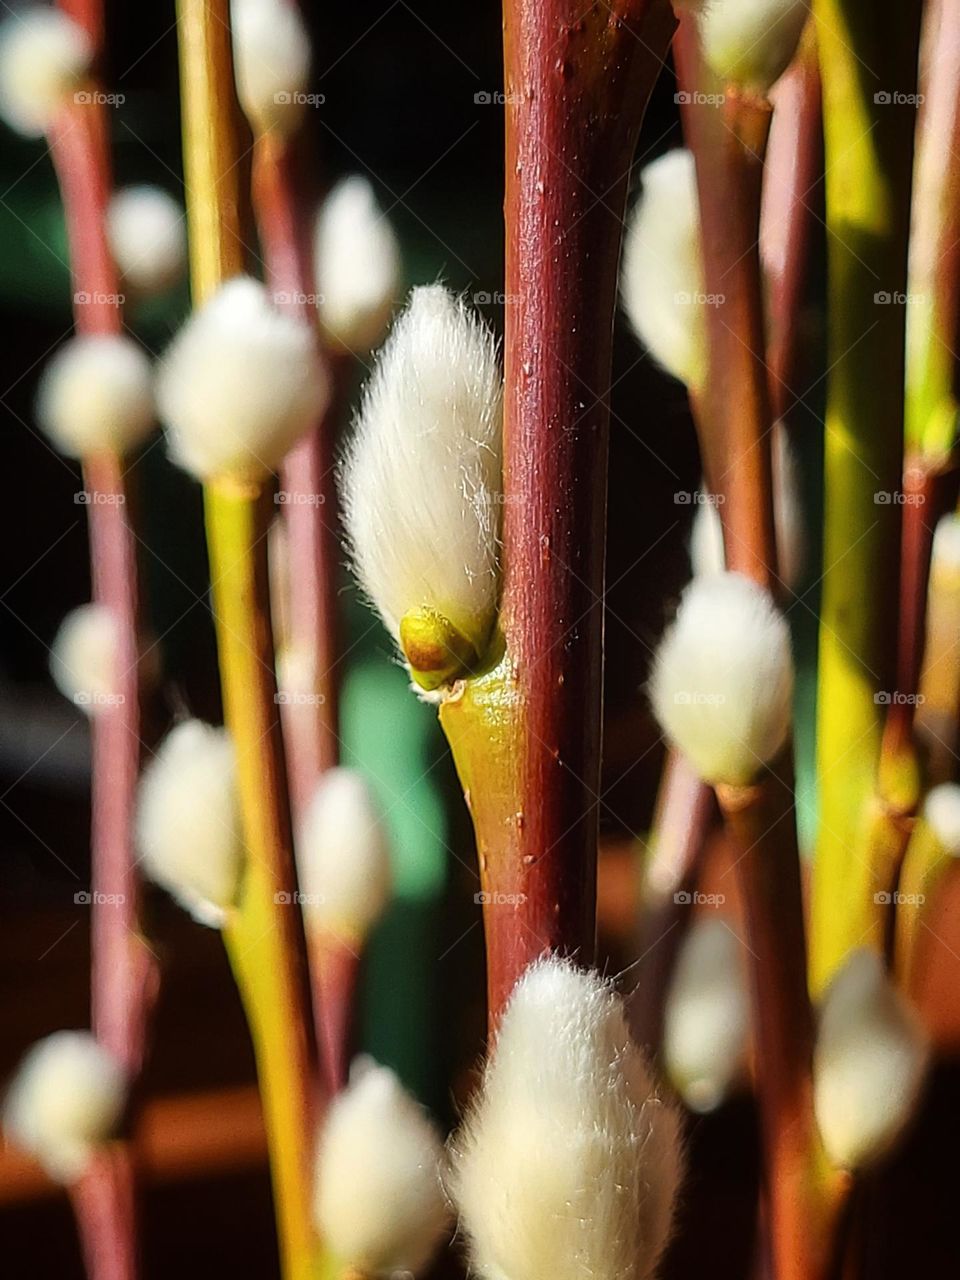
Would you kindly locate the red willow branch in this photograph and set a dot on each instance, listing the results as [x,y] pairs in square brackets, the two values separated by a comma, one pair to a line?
[793,167]
[527,736]
[284,212]
[734,412]
[735,426]
[123,973]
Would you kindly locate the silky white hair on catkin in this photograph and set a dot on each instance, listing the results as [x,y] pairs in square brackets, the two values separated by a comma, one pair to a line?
[661,282]
[568,1162]
[343,857]
[96,395]
[941,812]
[378,1200]
[869,1063]
[44,57]
[83,657]
[188,820]
[707,1016]
[422,477]
[946,544]
[357,266]
[271,52]
[239,385]
[147,231]
[722,680]
[65,1100]
[750,43]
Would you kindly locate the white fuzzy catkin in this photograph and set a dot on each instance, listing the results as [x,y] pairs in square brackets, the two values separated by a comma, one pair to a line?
[83,658]
[44,57]
[567,1163]
[188,820]
[239,385]
[271,53]
[96,395]
[378,1202]
[422,477]
[147,231]
[750,43]
[706,534]
[707,1016]
[869,1063]
[661,281]
[946,545]
[65,1100]
[722,680]
[357,266]
[343,858]
[941,812]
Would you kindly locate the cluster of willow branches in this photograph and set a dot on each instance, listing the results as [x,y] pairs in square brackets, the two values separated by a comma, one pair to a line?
[474,512]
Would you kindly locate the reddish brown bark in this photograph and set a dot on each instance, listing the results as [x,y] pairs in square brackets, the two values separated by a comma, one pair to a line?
[735,412]
[284,211]
[793,167]
[577,83]
[124,975]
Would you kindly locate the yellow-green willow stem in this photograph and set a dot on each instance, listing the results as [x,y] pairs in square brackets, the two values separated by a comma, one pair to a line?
[868,145]
[264,936]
